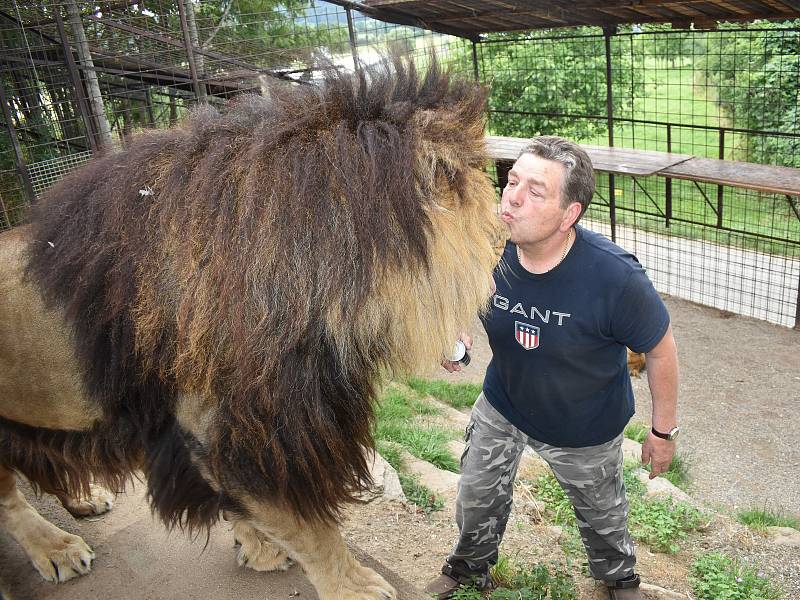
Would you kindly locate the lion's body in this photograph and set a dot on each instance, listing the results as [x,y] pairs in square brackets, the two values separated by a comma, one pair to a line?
[216,303]
[37,357]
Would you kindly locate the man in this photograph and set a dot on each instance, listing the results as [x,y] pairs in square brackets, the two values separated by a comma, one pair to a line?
[567,303]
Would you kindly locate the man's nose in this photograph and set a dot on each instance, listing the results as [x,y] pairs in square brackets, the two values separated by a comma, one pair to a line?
[512,196]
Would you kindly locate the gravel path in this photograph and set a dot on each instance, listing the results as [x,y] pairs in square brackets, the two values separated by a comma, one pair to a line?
[739,406]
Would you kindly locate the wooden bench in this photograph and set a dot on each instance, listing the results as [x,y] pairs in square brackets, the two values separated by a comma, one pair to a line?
[626,161]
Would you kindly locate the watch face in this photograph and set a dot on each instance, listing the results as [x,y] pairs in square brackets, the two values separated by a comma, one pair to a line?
[673,433]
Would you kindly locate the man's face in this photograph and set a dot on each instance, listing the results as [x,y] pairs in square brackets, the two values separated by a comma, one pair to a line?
[531,202]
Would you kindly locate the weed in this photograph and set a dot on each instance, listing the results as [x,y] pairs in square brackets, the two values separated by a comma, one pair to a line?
[760,519]
[661,523]
[467,593]
[715,576]
[539,582]
[636,432]
[516,582]
[571,543]
[418,494]
[457,395]
[634,488]
[504,571]
[558,505]
[678,472]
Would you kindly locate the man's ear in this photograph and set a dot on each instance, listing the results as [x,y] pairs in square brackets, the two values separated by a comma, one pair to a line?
[571,215]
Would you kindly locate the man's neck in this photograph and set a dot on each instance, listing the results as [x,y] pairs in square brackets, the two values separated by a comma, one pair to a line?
[546,255]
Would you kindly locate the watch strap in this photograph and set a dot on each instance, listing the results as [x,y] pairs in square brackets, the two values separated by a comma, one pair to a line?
[671,435]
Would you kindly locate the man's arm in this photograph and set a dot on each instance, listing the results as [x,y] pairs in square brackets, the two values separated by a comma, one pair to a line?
[662,376]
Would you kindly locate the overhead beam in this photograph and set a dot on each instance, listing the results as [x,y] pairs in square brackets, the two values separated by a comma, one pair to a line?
[399,18]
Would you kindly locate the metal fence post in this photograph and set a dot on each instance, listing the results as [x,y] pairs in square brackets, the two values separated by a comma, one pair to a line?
[475,61]
[92,84]
[199,92]
[668,183]
[351,31]
[720,189]
[75,77]
[612,198]
[797,308]
[19,159]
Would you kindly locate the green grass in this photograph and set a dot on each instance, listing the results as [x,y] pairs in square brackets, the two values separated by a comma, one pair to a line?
[670,95]
[557,505]
[760,519]
[457,395]
[515,581]
[636,432]
[396,412]
[391,453]
[415,492]
[679,467]
[715,576]
[678,472]
[662,524]
[397,429]
[667,95]
[419,494]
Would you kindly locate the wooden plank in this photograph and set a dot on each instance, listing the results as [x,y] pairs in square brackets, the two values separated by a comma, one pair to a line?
[764,178]
[622,161]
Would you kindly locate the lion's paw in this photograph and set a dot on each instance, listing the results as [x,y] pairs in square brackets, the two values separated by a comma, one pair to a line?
[60,556]
[99,501]
[257,552]
[363,584]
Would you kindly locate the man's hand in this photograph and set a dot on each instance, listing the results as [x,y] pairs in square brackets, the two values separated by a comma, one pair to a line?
[451,366]
[658,453]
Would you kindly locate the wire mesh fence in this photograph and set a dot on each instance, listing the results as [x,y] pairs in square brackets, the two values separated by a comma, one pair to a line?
[77,78]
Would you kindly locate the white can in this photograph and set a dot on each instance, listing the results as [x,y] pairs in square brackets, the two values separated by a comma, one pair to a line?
[460,353]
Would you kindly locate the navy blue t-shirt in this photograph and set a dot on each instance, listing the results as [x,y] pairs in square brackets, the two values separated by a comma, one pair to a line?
[559,367]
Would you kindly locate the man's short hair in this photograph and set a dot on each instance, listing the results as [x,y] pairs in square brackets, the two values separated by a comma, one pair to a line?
[578,183]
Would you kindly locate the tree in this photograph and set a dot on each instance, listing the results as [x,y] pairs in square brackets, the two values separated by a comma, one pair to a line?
[545,81]
[757,75]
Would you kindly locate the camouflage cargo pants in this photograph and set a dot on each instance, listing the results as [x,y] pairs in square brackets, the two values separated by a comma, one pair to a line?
[591,478]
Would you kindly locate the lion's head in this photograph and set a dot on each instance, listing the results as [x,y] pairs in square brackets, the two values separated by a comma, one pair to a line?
[271,262]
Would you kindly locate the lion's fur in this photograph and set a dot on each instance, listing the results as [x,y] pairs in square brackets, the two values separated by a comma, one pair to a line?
[257,271]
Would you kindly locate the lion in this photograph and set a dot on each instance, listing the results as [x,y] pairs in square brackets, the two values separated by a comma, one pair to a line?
[214,306]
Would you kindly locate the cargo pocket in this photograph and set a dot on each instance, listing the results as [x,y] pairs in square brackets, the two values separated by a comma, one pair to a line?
[467,441]
[609,490]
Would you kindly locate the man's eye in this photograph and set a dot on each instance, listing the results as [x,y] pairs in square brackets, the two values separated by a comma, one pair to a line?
[511,183]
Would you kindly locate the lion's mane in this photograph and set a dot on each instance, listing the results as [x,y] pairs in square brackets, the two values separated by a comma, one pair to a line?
[272,262]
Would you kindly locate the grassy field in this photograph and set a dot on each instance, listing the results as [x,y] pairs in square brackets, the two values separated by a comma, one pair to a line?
[671,95]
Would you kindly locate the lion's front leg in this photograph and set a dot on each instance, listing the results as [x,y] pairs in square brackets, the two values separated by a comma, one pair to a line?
[100,501]
[256,550]
[56,554]
[321,551]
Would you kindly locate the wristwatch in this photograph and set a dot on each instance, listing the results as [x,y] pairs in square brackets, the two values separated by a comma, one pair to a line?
[671,435]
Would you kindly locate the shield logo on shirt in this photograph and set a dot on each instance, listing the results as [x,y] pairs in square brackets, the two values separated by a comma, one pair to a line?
[527,335]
